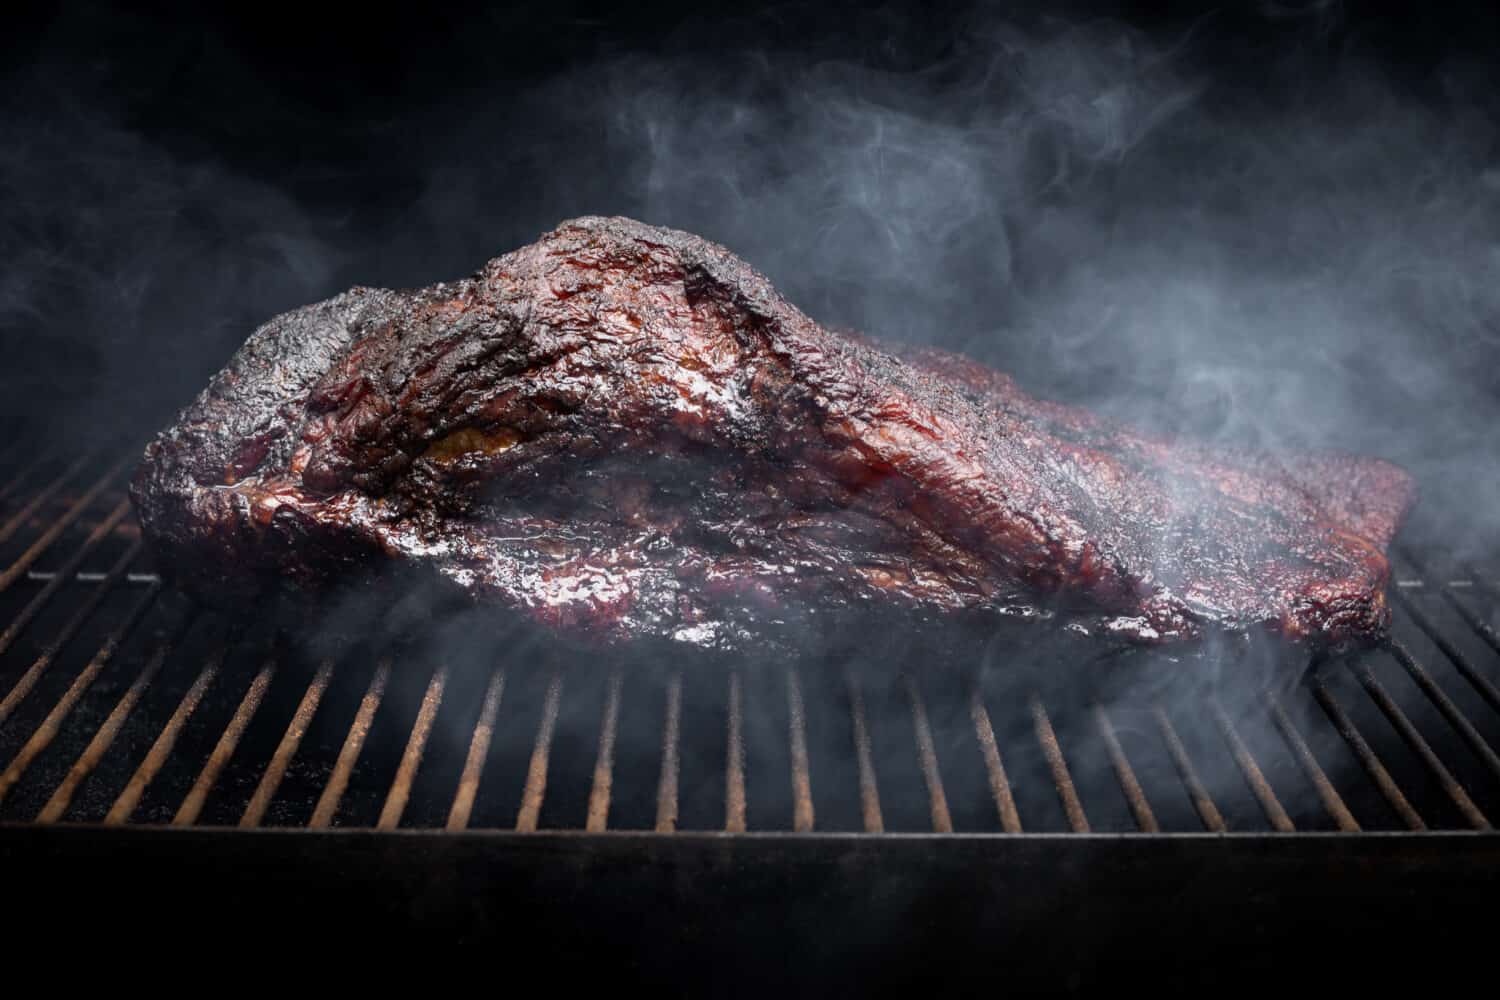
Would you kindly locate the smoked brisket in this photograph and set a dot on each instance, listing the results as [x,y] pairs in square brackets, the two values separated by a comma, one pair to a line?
[623,432]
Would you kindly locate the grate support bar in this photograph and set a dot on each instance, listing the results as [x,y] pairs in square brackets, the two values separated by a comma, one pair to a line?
[105,736]
[1329,795]
[1368,759]
[604,764]
[1135,796]
[1067,793]
[937,799]
[536,771]
[52,724]
[1203,803]
[479,749]
[1245,760]
[354,741]
[994,767]
[156,757]
[666,788]
[869,788]
[1418,744]
[291,739]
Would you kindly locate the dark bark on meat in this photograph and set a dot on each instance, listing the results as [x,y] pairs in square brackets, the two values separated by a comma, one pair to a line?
[623,431]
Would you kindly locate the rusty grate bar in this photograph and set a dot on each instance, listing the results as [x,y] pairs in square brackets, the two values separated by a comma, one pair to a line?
[479,749]
[869,790]
[1203,803]
[1420,747]
[666,789]
[536,771]
[802,810]
[354,741]
[56,528]
[994,768]
[62,796]
[1135,796]
[937,799]
[477,753]
[161,749]
[1368,759]
[1477,680]
[1329,795]
[291,739]
[734,760]
[40,599]
[38,499]
[50,652]
[1245,760]
[192,804]
[1445,705]
[411,757]
[52,724]
[1067,793]
[604,763]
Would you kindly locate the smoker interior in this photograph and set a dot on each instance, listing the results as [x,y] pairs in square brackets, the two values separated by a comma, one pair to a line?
[126,711]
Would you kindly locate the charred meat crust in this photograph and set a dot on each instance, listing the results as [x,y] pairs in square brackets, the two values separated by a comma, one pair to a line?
[625,432]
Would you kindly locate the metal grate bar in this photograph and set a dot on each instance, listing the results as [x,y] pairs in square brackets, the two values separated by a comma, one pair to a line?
[52,724]
[281,759]
[937,800]
[49,653]
[354,741]
[1052,751]
[734,760]
[604,763]
[104,738]
[479,749]
[40,599]
[1213,820]
[869,790]
[1329,795]
[802,809]
[994,768]
[54,531]
[411,757]
[1368,759]
[1480,683]
[1140,808]
[1419,746]
[43,495]
[1451,712]
[160,750]
[1264,794]
[192,804]
[536,771]
[666,789]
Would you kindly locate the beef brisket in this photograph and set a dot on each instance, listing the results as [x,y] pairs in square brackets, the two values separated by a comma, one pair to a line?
[623,431]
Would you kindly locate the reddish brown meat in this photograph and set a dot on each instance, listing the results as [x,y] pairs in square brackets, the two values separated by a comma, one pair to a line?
[624,431]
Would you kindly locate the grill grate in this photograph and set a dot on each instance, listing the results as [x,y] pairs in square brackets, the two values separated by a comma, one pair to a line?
[121,702]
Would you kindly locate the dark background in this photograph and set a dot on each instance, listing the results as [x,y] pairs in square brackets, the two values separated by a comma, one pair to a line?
[1274,223]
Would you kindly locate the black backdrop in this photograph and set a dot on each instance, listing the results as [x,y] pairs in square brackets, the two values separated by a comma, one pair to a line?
[171,178]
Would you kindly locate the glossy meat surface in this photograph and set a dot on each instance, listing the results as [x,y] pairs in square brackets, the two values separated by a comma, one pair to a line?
[624,432]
